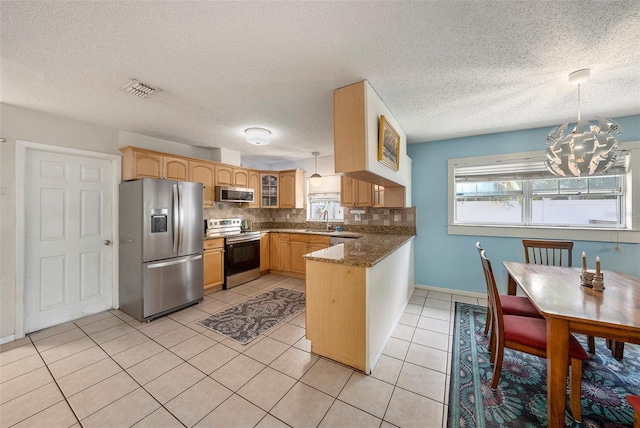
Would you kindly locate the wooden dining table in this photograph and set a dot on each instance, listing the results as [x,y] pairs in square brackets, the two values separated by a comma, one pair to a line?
[567,306]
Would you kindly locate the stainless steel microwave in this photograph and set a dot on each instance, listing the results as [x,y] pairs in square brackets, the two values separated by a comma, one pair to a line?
[233,194]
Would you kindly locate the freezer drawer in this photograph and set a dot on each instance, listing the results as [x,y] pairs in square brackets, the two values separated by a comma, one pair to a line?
[171,284]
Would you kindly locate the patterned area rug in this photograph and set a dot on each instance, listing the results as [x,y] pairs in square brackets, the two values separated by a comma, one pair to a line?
[247,320]
[520,399]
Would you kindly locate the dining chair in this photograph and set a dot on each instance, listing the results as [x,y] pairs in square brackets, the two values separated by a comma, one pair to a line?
[528,334]
[550,253]
[559,253]
[634,400]
[511,305]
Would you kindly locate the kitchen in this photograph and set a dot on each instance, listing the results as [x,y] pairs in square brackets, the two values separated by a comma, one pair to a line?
[438,254]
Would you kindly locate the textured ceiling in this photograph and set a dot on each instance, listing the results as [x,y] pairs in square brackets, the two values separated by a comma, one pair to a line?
[444,68]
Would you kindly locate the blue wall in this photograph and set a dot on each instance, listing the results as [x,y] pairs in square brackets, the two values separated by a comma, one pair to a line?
[451,261]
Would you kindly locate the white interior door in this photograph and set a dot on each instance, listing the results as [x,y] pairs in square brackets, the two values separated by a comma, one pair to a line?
[68,227]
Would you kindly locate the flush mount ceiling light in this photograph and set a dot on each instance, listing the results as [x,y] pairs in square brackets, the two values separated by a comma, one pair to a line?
[316,179]
[138,88]
[590,147]
[258,136]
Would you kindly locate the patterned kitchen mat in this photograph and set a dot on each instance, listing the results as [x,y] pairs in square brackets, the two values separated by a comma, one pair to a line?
[249,319]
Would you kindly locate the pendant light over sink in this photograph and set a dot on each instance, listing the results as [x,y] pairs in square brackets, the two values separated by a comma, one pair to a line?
[315,179]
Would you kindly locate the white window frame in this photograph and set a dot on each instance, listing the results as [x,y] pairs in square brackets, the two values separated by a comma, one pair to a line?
[334,191]
[630,234]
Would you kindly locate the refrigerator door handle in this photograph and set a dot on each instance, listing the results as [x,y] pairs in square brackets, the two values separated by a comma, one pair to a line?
[176,219]
[174,262]
[181,202]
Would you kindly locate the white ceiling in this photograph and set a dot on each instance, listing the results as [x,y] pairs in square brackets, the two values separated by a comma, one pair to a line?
[444,68]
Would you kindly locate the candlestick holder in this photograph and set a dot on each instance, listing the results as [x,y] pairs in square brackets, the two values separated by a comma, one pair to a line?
[592,280]
[598,282]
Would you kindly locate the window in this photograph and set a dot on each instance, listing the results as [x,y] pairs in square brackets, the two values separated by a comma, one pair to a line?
[324,200]
[525,194]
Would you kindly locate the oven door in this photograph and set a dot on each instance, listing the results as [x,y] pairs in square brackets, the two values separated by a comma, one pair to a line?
[241,256]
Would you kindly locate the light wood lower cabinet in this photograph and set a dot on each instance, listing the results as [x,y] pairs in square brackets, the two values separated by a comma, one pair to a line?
[336,312]
[265,258]
[288,249]
[213,261]
[352,310]
[275,253]
[298,247]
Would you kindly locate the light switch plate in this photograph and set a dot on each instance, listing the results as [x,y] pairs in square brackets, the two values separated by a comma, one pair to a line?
[396,217]
[357,217]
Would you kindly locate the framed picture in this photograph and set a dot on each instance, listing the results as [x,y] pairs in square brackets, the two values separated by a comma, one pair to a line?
[388,145]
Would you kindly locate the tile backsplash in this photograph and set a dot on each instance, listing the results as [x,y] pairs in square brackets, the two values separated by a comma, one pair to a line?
[373,219]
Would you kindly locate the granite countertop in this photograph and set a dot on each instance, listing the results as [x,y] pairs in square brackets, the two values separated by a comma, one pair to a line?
[304,231]
[365,251]
[316,232]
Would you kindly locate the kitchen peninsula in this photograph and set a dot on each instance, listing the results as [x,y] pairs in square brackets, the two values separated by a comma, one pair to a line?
[355,294]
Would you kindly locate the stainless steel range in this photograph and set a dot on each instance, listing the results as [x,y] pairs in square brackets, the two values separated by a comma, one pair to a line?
[241,250]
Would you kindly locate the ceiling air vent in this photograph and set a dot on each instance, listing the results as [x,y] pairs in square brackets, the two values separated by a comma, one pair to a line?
[138,88]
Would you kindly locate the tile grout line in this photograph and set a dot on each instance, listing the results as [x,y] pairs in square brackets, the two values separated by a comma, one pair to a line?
[289,346]
[64,397]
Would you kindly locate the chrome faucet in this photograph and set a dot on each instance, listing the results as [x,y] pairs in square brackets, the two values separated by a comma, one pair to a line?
[326,218]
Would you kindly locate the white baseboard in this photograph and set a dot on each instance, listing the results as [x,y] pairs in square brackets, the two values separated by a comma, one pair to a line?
[7,339]
[452,291]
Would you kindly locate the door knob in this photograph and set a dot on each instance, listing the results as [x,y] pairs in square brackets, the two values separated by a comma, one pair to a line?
[107,242]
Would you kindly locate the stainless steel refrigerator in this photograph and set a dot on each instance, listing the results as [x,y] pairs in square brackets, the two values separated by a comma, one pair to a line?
[161,244]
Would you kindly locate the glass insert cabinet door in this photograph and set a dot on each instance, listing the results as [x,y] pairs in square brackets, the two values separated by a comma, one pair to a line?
[269,190]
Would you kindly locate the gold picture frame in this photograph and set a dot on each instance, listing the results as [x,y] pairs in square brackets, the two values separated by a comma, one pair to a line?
[388,145]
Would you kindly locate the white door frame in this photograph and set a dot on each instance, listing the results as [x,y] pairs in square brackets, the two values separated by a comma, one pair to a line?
[21,163]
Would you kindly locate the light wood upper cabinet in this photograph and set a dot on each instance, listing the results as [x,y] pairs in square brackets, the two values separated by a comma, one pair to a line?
[240,177]
[364,194]
[147,165]
[269,190]
[355,193]
[291,191]
[175,168]
[139,163]
[254,183]
[203,172]
[224,175]
[230,176]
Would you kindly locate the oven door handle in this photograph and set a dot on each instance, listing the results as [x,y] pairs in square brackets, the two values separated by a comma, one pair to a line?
[241,240]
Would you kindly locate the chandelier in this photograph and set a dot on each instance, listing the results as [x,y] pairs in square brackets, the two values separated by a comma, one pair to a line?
[590,147]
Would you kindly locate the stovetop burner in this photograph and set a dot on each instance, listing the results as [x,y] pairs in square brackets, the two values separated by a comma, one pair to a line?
[230,229]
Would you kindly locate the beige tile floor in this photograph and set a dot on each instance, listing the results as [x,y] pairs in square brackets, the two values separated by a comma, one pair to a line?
[109,370]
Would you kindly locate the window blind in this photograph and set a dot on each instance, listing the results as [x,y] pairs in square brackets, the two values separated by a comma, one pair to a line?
[521,169]
[330,186]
